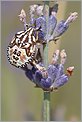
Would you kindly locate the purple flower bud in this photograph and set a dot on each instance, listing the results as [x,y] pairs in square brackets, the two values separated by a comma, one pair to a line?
[60,29]
[46,83]
[52,71]
[60,81]
[55,71]
[42,82]
[52,24]
[60,71]
[38,76]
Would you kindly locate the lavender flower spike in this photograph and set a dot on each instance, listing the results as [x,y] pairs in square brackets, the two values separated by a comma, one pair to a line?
[22,17]
[63,79]
[62,26]
[32,12]
[33,9]
[71,18]
[63,56]
[60,68]
[53,67]
[55,30]
[55,57]
[53,77]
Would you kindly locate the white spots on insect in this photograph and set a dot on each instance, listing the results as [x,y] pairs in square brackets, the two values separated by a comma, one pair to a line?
[13,39]
[29,40]
[24,38]
[17,40]
[29,36]
[26,45]
[34,40]
[29,29]
[23,48]
[20,32]
[21,59]
[32,49]
[20,35]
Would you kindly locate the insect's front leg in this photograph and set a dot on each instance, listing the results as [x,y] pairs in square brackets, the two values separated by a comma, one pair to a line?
[41,68]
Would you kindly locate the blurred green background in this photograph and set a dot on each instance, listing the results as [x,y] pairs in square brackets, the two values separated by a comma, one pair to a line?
[19,99]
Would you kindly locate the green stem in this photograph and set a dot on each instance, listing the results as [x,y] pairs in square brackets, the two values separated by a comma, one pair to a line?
[46,112]
[46,106]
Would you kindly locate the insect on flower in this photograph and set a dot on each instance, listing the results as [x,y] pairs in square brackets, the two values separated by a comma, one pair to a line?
[21,50]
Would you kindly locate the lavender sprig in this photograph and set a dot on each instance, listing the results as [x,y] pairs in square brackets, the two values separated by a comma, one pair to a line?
[22,18]
[54,77]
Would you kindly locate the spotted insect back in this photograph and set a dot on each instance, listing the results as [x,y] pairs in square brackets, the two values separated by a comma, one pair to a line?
[21,50]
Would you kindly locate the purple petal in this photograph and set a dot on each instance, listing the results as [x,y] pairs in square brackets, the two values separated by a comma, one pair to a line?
[61,81]
[46,83]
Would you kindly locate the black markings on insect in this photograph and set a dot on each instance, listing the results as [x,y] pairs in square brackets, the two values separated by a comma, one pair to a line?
[21,50]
